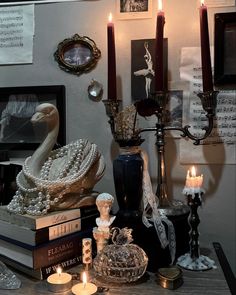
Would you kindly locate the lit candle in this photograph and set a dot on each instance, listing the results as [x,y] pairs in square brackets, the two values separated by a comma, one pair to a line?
[205,50]
[84,288]
[159,69]
[59,281]
[111,62]
[193,183]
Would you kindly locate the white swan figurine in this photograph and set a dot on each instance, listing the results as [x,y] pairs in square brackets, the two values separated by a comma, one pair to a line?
[57,179]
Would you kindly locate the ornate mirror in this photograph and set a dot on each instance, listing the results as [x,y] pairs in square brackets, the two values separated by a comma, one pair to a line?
[77,54]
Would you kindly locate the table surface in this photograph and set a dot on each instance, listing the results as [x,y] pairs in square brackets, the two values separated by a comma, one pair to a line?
[194,282]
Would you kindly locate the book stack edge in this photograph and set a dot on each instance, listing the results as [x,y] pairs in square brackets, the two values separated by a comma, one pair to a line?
[36,245]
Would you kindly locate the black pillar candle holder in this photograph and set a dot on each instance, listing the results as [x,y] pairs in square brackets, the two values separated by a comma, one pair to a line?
[193,260]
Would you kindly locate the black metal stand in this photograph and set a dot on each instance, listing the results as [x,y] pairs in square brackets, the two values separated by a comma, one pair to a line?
[193,260]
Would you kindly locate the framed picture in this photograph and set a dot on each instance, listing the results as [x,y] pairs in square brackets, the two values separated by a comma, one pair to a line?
[132,9]
[77,54]
[225,49]
[17,105]
[142,68]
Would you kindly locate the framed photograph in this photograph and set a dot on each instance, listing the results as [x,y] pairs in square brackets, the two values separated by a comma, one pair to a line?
[77,54]
[225,49]
[17,105]
[177,106]
[142,68]
[132,9]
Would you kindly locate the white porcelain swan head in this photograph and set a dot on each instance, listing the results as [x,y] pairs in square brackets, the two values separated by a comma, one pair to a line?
[57,179]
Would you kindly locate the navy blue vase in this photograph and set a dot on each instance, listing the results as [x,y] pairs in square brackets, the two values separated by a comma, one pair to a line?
[128,175]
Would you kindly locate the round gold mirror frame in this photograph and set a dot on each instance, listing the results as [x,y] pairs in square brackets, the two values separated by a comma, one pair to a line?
[77,54]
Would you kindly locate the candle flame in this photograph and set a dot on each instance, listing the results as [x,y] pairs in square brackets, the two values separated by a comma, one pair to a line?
[59,270]
[202,2]
[84,278]
[110,17]
[193,172]
[160,5]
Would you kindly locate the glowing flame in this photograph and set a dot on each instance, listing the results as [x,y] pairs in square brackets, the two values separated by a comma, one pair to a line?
[59,270]
[159,5]
[202,2]
[110,17]
[193,172]
[84,278]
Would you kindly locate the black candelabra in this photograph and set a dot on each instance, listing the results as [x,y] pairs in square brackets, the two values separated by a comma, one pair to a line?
[156,105]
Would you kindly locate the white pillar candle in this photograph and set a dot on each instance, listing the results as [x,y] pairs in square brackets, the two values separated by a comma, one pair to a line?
[193,183]
[59,281]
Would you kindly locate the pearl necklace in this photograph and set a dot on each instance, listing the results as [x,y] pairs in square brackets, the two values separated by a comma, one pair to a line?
[37,200]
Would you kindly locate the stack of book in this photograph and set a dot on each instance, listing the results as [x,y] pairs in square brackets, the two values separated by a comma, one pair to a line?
[36,245]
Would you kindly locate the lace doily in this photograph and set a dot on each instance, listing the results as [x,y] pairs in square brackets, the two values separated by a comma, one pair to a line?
[150,200]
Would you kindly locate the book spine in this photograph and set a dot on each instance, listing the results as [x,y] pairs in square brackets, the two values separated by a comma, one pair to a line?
[64,216]
[53,218]
[15,233]
[58,218]
[57,231]
[65,265]
[43,272]
[64,229]
[37,222]
[59,249]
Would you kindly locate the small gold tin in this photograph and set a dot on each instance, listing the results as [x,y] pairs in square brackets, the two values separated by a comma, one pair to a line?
[170,277]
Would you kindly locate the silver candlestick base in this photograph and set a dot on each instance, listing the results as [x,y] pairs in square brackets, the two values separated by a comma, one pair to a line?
[198,263]
[193,260]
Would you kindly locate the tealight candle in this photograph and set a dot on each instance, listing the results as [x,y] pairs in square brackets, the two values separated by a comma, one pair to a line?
[59,281]
[84,288]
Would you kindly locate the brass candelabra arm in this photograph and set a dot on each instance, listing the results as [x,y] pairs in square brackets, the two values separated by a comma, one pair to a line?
[209,102]
[186,133]
[207,129]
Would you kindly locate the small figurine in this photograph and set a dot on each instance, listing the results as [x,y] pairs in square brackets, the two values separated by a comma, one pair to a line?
[101,233]
[104,204]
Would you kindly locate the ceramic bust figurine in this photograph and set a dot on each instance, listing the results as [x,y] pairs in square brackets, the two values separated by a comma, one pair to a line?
[104,204]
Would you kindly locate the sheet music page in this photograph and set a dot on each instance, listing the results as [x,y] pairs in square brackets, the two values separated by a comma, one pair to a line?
[220,146]
[16,34]
[219,3]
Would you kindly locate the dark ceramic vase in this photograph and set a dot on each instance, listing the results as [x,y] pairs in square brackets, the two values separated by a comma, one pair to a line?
[128,175]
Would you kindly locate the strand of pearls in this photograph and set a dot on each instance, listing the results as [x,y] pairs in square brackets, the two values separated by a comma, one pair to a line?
[37,200]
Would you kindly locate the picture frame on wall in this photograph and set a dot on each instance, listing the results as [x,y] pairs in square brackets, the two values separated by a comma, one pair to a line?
[77,54]
[133,9]
[225,49]
[142,67]
[17,105]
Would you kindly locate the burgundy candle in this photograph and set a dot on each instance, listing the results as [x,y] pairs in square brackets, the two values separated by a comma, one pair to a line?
[159,71]
[111,94]
[205,50]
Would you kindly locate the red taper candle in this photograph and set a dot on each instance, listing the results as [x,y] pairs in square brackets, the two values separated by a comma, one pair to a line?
[159,69]
[205,50]
[111,62]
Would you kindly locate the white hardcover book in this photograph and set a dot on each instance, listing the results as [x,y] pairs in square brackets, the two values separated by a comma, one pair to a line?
[37,222]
